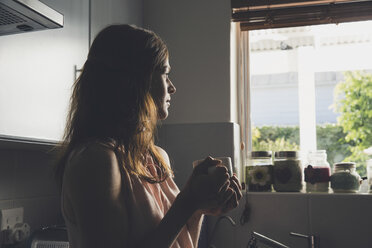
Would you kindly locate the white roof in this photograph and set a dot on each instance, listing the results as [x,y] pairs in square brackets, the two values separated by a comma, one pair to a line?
[368,151]
[319,35]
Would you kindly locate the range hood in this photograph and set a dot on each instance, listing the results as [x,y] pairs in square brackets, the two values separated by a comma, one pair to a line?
[20,16]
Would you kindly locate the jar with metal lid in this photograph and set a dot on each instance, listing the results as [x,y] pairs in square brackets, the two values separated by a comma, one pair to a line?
[287,172]
[259,171]
[345,178]
[317,172]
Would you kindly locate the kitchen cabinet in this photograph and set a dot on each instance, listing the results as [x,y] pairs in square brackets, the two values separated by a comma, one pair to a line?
[37,72]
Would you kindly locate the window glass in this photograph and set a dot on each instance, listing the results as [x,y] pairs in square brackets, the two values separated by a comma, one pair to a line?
[311,88]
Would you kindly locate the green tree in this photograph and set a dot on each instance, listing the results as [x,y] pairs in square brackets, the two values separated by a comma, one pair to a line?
[330,137]
[269,138]
[289,133]
[354,103]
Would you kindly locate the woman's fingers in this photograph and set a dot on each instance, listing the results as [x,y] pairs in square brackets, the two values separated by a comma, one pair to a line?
[230,204]
[226,196]
[219,177]
[216,191]
[234,183]
[224,187]
[235,178]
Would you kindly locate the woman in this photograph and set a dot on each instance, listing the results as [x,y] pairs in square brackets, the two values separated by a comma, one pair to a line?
[117,186]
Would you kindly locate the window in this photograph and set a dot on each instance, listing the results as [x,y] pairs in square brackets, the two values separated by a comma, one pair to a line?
[296,94]
[294,61]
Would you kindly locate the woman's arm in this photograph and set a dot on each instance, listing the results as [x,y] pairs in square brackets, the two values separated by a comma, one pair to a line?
[194,223]
[203,190]
[170,226]
[92,183]
[94,186]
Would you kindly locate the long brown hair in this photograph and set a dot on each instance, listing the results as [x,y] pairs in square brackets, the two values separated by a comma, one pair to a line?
[111,100]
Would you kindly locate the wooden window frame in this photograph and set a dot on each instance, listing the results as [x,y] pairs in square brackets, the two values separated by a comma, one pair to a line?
[264,14]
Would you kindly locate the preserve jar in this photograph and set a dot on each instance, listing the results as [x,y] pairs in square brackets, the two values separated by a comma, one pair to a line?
[259,171]
[317,172]
[345,178]
[287,171]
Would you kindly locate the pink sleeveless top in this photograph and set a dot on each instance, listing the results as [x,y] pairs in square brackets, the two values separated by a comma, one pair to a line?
[147,204]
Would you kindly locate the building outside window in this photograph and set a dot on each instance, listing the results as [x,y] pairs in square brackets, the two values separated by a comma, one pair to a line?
[311,89]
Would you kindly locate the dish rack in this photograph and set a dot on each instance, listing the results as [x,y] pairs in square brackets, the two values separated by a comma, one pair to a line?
[50,244]
[50,237]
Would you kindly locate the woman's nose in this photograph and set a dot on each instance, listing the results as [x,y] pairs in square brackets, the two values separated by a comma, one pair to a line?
[171,88]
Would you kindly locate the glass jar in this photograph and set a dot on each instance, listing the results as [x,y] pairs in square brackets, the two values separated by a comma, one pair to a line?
[259,171]
[287,172]
[345,178]
[317,172]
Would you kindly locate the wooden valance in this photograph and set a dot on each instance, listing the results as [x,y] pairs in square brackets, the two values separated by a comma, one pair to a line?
[263,14]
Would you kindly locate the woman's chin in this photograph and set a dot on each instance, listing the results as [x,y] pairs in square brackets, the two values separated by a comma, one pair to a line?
[163,115]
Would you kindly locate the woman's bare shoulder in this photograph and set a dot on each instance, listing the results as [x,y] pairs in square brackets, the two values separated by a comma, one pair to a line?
[163,153]
[94,157]
[95,167]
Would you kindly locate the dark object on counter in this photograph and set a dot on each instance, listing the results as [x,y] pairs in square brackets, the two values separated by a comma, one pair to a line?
[244,218]
[317,174]
[345,179]
[287,172]
[259,178]
[259,172]
[51,237]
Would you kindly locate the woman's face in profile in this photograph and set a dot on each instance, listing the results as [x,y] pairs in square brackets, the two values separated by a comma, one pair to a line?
[162,89]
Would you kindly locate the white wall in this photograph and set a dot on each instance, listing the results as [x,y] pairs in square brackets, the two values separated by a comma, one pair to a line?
[198,36]
[37,69]
[115,11]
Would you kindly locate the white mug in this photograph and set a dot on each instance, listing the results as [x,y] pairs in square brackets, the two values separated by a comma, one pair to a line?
[226,161]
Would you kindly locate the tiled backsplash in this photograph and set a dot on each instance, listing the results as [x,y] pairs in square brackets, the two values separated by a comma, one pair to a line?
[26,180]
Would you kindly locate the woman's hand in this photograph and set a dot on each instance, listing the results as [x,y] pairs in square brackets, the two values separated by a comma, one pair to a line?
[231,203]
[213,193]
[234,201]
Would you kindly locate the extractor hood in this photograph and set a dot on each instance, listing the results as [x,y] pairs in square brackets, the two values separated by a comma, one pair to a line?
[20,16]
